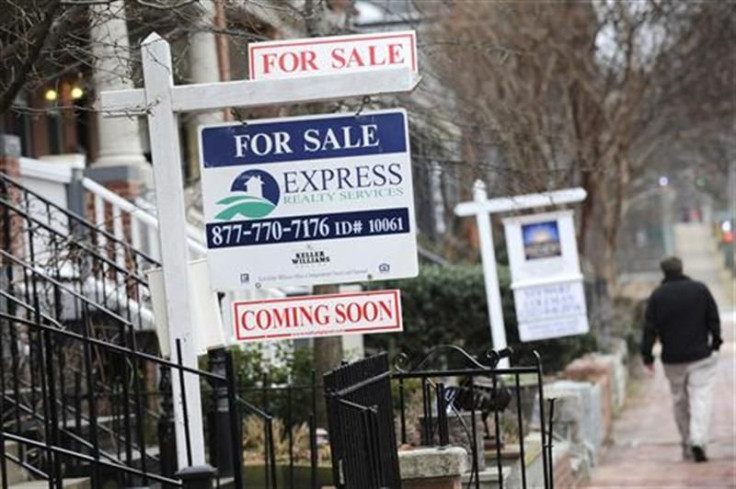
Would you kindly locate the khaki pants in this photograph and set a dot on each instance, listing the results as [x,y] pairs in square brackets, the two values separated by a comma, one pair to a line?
[692,394]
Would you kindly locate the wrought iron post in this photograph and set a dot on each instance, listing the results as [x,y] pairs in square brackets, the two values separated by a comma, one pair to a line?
[166,435]
[75,197]
[220,452]
[548,445]
[197,477]
[236,434]
[442,426]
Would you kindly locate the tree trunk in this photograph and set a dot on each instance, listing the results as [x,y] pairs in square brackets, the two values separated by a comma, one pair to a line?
[327,356]
[588,207]
[610,267]
[612,222]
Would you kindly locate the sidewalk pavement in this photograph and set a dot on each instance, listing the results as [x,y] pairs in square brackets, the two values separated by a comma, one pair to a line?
[646,447]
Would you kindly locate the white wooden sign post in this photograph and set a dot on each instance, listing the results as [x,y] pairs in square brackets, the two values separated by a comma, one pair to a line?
[483,208]
[161,101]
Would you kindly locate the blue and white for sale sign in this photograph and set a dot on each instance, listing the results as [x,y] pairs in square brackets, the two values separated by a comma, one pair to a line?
[309,200]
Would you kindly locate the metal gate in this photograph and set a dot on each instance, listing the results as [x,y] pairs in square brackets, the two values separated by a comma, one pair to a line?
[361,425]
[453,386]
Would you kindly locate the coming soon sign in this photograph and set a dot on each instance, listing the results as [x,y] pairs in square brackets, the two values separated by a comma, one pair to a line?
[327,315]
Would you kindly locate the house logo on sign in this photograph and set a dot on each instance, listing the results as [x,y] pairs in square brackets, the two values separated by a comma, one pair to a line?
[253,194]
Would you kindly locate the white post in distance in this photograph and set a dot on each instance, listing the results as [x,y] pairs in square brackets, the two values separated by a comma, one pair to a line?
[490,272]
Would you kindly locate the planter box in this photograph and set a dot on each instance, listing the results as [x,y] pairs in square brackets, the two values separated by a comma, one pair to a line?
[255,476]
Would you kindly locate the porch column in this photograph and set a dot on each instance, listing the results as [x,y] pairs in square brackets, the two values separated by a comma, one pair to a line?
[119,163]
[203,68]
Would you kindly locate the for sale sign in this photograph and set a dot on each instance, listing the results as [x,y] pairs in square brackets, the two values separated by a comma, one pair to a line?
[311,316]
[308,200]
[332,55]
[545,276]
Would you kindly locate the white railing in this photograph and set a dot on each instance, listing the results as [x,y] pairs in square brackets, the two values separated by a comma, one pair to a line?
[195,236]
[143,222]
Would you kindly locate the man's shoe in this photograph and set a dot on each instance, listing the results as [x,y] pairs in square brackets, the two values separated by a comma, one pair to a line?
[699,454]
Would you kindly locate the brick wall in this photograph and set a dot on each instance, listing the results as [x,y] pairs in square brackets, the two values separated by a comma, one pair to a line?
[432,483]
[564,477]
[10,165]
[127,189]
[597,370]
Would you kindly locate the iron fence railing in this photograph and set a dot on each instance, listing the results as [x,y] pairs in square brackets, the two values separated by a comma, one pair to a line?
[451,382]
[79,394]
[108,387]
[293,407]
[106,399]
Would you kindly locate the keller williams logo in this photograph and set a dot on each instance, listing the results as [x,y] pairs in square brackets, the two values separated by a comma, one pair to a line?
[310,258]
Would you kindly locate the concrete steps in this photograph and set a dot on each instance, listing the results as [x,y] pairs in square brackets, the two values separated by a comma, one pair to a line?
[19,478]
[702,260]
[511,467]
[76,483]
[16,473]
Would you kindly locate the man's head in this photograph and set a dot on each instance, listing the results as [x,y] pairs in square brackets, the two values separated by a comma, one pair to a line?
[671,266]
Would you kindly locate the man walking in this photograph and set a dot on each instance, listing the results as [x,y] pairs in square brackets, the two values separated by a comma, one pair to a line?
[683,315]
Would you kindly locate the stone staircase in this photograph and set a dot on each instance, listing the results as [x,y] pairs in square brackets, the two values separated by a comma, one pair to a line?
[80,370]
[511,467]
[20,478]
[696,244]
[697,247]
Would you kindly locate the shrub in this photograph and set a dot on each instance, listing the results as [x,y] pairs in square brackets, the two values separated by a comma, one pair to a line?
[263,383]
[447,305]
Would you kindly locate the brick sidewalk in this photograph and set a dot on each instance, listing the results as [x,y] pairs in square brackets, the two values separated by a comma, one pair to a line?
[646,451]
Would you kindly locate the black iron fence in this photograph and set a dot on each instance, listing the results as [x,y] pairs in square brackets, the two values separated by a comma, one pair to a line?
[83,391]
[78,404]
[446,397]
[102,424]
[285,436]
[453,389]
[361,426]
[63,246]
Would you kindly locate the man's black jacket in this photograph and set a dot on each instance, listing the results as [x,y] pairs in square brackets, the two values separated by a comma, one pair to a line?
[683,315]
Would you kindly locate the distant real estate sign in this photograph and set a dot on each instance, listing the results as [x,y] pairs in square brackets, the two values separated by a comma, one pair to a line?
[308,200]
[546,278]
[332,55]
[311,316]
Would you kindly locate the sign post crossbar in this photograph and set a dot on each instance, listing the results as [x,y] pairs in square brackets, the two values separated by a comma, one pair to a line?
[257,93]
[160,101]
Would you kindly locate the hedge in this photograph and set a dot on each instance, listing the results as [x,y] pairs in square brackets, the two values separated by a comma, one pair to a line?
[447,305]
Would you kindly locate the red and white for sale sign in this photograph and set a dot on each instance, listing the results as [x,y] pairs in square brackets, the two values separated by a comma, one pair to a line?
[332,55]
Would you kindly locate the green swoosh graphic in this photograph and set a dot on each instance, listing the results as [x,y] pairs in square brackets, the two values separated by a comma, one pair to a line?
[236,198]
[252,210]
